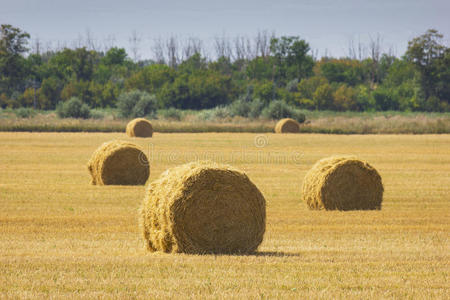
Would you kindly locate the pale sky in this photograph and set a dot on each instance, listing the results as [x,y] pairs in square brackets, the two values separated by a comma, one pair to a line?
[327,25]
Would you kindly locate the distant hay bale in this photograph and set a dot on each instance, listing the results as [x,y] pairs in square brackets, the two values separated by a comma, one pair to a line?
[203,207]
[139,127]
[118,163]
[342,183]
[287,126]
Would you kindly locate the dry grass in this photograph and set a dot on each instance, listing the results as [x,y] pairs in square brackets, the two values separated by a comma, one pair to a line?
[61,237]
[317,122]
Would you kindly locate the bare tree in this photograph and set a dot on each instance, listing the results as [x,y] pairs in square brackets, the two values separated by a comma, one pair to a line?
[351,49]
[191,46]
[135,43]
[77,43]
[172,48]
[244,48]
[262,43]
[361,50]
[158,50]
[315,54]
[109,42]
[36,47]
[375,48]
[375,54]
[222,46]
[239,48]
[90,43]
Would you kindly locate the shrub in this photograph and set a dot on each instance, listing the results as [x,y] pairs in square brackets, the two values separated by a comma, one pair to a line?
[146,106]
[24,112]
[170,114]
[256,108]
[97,114]
[240,107]
[279,110]
[219,112]
[136,104]
[248,109]
[73,108]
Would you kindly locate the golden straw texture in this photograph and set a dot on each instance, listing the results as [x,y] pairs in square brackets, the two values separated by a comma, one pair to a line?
[203,207]
[139,127]
[120,163]
[342,183]
[287,126]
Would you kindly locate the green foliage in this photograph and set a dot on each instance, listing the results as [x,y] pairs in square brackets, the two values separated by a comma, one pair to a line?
[151,78]
[308,86]
[170,114]
[291,59]
[345,98]
[265,91]
[114,56]
[432,59]
[24,112]
[214,114]
[348,71]
[419,81]
[73,108]
[240,107]
[196,91]
[136,104]
[261,68]
[13,69]
[146,106]
[278,109]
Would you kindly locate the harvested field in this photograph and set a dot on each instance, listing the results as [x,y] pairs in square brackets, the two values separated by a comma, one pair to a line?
[62,237]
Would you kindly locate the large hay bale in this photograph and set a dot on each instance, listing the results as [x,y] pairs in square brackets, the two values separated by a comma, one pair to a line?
[139,127]
[342,183]
[118,162]
[203,207]
[287,126]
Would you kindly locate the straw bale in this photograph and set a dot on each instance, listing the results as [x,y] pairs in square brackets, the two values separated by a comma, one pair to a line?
[287,126]
[139,127]
[118,163]
[342,183]
[203,207]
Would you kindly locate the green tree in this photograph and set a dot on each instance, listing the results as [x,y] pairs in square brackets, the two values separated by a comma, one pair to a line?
[323,97]
[265,91]
[13,42]
[291,59]
[151,78]
[345,98]
[432,59]
[348,71]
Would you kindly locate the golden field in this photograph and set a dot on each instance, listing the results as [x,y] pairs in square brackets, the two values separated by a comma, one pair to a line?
[61,237]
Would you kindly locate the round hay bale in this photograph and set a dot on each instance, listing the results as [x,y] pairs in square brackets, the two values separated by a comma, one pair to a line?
[203,207]
[119,163]
[139,127]
[342,183]
[287,126]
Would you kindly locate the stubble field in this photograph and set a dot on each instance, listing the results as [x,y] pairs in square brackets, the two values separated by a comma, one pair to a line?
[61,237]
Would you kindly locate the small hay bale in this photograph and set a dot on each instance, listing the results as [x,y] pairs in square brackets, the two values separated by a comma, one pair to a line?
[287,126]
[139,127]
[118,163]
[342,183]
[203,207]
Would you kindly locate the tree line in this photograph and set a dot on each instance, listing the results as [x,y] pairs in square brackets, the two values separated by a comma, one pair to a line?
[270,69]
